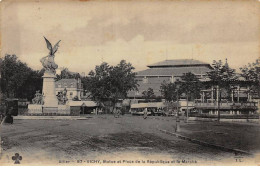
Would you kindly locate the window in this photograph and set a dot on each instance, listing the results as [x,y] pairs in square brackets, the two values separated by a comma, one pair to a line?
[145,80]
[72,85]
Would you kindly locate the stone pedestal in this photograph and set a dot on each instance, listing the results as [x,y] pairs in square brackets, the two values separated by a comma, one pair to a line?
[48,91]
[34,109]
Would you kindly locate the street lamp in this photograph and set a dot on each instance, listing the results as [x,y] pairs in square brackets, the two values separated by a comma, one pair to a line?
[187,106]
[177,127]
[218,102]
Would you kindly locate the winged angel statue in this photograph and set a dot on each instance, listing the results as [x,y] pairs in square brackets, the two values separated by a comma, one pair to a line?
[48,61]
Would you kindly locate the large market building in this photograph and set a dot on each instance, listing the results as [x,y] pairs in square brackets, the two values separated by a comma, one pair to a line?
[171,70]
[167,71]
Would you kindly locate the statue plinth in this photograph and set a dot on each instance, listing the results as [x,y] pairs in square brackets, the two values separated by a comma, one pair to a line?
[48,91]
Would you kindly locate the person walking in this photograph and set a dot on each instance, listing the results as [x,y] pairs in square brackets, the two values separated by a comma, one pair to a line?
[117,112]
[145,113]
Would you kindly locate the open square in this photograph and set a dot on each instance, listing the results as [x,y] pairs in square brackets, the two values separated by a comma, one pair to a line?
[103,140]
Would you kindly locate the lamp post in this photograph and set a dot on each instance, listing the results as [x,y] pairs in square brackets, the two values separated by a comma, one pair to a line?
[218,102]
[258,73]
[177,127]
[187,106]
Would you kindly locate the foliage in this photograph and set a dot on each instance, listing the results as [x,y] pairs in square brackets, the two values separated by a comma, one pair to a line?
[17,79]
[190,85]
[170,91]
[222,76]
[251,74]
[110,83]
[148,94]
[66,74]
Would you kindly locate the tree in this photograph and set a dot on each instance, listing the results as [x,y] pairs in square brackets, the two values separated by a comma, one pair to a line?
[111,83]
[66,74]
[32,84]
[98,83]
[17,79]
[169,91]
[148,94]
[221,73]
[251,73]
[221,76]
[190,86]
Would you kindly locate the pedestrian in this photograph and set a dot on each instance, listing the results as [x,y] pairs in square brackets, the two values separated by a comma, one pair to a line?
[8,118]
[145,113]
[117,112]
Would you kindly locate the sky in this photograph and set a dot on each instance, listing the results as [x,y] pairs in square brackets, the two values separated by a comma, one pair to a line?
[140,32]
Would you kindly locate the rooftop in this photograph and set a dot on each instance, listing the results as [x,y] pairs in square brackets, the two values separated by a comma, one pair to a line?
[173,71]
[179,63]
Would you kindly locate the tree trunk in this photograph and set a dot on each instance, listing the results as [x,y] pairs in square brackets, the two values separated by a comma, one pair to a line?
[218,104]
[187,111]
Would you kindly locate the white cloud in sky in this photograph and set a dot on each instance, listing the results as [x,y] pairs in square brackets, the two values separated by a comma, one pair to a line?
[141,32]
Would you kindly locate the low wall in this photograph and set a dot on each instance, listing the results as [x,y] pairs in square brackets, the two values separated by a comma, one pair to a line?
[63,109]
[74,111]
[34,109]
[224,119]
[38,110]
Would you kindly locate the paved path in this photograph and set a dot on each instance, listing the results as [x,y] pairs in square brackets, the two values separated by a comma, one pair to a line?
[130,139]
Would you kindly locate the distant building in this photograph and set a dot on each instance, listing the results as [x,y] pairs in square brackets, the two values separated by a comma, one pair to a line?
[74,87]
[238,101]
[168,71]
[82,74]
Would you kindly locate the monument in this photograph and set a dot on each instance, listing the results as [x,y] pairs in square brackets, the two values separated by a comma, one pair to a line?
[48,103]
[48,91]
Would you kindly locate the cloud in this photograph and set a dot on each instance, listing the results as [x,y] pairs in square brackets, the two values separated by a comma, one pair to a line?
[138,31]
[142,53]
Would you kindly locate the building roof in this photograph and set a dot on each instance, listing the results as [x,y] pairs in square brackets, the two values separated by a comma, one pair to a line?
[173,71]
[163,71]
[69,83]
[179,63]
[66,81]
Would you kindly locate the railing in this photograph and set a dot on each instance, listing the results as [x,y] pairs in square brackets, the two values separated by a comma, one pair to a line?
[227,116]
[227,105]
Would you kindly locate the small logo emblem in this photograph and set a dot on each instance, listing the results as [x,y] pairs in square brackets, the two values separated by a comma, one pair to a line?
[17,158]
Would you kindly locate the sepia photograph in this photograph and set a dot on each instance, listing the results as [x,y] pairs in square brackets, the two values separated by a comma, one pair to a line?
[130,83]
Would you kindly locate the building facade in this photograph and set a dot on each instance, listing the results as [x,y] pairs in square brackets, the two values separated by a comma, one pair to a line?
[74,88]
[167,71]
[238,101]
[213,99]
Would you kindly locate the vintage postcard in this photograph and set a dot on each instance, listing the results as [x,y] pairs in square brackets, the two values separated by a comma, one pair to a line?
[130,83]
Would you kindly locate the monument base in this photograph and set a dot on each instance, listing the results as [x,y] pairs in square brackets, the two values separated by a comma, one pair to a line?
[50,110]
[34,109]
[48,91]
[40,110]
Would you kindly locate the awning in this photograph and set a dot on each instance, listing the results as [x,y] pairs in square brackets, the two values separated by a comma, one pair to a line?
[82,103]
[144,105]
